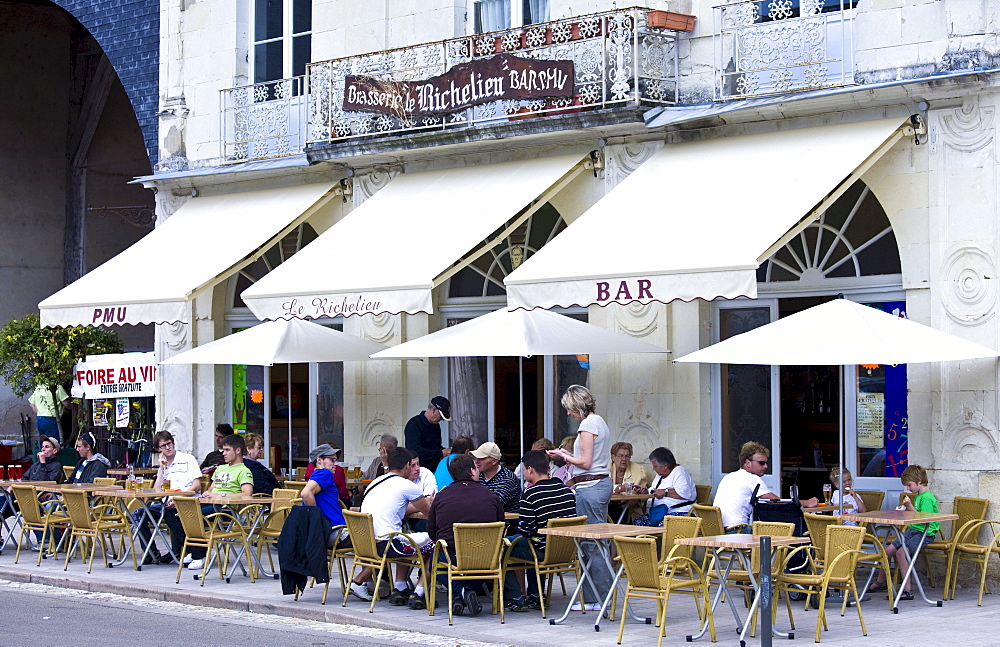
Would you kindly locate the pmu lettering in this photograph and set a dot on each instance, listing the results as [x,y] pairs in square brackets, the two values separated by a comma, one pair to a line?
[624,293]
[109,315]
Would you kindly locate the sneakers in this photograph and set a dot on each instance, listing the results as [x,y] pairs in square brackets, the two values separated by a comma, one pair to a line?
[196,565]
[359,591]
[524,603]
[472,601]
[592,606]
[418,602]
[166,559]
[188,559]
[399,598]
[457,606]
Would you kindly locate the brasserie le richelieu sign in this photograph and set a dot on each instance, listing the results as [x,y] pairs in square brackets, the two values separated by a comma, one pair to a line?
[481,81]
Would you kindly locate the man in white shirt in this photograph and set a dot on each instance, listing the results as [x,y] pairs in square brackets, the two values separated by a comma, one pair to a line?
[737,488]
[389,498]
[182,472]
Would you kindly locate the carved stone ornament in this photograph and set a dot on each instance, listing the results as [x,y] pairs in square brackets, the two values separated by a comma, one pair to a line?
[969,441]
[622,159]
[167,204]
[378,426]
[174,336]
[381,328]
[637,319]
[637,430]
[969,285]
[367,185]
[969,128]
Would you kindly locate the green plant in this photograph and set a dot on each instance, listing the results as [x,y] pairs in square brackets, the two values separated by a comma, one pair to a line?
[31,355]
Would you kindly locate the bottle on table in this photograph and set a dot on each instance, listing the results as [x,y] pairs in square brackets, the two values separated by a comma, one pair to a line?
[130,479]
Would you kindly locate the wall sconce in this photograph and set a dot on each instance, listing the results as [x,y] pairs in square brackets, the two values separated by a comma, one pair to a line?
[344,188]
[915,128]
[596,161]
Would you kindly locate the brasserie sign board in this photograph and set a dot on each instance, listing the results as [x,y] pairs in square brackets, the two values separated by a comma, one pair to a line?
[469,84]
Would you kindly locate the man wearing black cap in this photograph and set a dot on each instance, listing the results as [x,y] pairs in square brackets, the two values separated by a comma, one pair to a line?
[423,432]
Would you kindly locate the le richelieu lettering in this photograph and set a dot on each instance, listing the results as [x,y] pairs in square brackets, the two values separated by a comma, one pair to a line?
[324,307]
[499,77]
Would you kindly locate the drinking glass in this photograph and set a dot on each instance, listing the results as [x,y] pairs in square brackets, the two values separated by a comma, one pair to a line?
[19,471]
[165,484]
[827,492]
[1,472]
[628,487]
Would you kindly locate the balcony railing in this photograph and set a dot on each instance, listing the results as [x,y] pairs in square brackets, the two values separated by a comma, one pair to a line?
[775,46]
[617,60]
[263,120]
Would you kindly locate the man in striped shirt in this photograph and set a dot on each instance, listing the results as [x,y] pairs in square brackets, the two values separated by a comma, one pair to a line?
[496,477]
[546,498]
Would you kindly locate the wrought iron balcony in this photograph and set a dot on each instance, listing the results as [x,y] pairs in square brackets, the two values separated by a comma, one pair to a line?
[617,60]
[774,46]
[263,120]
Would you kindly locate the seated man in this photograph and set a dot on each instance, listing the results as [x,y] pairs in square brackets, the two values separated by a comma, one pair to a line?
[547,498]
[497,477]
[214,458]
[737,488]
[389,499]
[231,478]
[321,491]
[459,446]
[466,500]
[46,469]
[182,471]
[339,474]
[379,464]
[263,479]
[91,464]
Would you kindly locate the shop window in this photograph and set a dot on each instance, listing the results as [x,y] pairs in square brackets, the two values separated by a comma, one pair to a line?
[498,15]
[745,392]
[282,38]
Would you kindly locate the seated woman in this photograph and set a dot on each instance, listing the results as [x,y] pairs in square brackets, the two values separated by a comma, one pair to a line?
[673,489]
[624,470]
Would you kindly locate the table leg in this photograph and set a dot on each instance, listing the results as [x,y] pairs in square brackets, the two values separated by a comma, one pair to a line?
[6,531]
[584,564]
[755,604]
[605,550]
[911,572]
[722,589]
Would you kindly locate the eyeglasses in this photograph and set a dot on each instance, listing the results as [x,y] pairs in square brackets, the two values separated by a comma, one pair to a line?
[163,446]
[624,456]
[761,463]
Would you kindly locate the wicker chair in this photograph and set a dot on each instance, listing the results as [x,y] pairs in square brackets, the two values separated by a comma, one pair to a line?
[294,485]
[92,525]
[969,510]
[704,494]
[650,579]
[969,549]
[50,519]
[269,530]
[842,550]
[68,470]
[364,543]
[105,480]
[339,556]
[738,577]
[221,531]
[711,520]
[478,555]
[560,557]
[872,499]
[873,552]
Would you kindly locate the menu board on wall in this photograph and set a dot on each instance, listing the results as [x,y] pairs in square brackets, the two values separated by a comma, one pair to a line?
[871,420]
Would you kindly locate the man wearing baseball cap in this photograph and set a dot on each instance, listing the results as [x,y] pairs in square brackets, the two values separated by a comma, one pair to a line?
[423,432]
[496,477]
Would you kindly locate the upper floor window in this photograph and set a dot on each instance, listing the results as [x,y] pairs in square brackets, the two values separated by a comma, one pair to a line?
[497,15]
[282,38]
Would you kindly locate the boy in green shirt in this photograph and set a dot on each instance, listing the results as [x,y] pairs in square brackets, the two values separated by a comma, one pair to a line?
[914,479]
[230,478]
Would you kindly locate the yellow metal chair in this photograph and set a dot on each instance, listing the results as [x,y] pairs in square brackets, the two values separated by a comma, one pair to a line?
[872,499]
[704,494]
[296,486]
[841,550]
[105,480]
[68,470]
[95,525]
[969,510]
[711,521]
[478,555]
[971,550]
[650,579]
[873,552]
[560,557]
[221,531]
[269,530]
[364,543]
[49,519]
[339,556]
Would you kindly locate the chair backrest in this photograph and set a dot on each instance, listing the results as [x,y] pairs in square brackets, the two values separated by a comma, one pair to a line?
[675,528]
[27,501]
[78,506]
[704,494]
[840,539]
[478,546]
[872,499]
[105,480]
[193,521]
[285,493]
[295,485]
[817,525]
[205,480]
[361,528]
[968,509]
[711,519]
[641,561]
[906,495]
[300,473]
[560,550]
[773,529]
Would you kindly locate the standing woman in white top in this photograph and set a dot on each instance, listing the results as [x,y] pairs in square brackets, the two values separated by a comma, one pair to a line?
[591,476]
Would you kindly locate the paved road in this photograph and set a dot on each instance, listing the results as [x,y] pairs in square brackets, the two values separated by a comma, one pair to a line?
[44,616]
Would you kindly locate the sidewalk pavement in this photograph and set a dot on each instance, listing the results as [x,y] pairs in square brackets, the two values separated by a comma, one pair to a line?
[959,622]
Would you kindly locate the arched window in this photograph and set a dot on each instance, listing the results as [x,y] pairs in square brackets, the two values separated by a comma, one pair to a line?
[272,258]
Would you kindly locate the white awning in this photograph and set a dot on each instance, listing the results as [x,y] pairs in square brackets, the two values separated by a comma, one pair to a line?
[389,253]
[698,218]
[201,245]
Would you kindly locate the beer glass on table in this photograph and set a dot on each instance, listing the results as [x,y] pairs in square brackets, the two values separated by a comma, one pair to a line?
[827,493]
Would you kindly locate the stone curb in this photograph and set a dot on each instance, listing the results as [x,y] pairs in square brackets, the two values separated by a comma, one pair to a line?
[326,613]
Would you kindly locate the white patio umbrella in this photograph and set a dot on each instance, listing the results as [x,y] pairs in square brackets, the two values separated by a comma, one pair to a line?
[281,342]
[839,333]
[520,334]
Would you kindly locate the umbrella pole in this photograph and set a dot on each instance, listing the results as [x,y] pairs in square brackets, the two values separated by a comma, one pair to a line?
[288,403]
[520,400]
[843,438]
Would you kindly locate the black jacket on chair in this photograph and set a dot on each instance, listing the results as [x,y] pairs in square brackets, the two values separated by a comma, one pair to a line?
[302,548]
